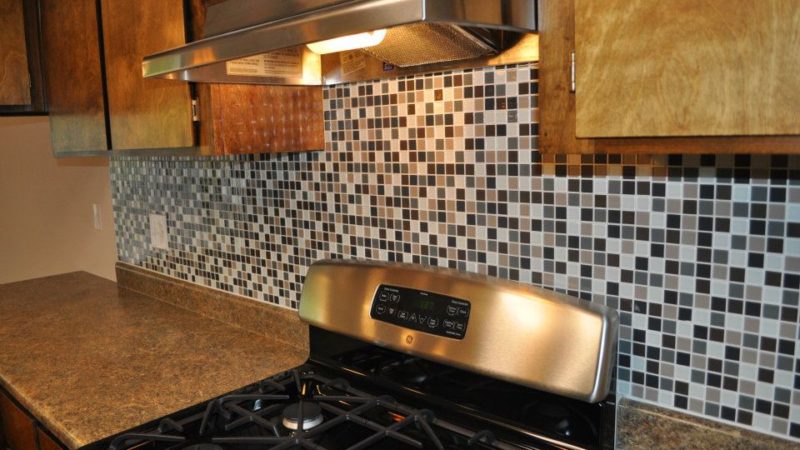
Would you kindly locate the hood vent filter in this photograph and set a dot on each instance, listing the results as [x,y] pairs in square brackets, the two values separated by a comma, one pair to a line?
[429,43]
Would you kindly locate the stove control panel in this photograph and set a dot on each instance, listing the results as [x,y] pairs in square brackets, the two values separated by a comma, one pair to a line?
[419,310]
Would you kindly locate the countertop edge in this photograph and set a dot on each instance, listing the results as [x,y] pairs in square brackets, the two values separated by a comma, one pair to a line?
[39,416]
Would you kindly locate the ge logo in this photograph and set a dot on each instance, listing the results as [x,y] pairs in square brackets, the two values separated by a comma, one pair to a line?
[409,339]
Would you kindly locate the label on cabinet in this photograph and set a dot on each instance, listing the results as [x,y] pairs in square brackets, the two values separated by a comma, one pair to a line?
[280,63]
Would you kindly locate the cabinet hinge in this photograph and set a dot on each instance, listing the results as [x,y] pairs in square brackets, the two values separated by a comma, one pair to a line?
[572,80]
[195,111]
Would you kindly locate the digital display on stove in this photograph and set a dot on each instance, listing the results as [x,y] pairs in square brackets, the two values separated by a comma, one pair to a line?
[424,304]
[421,310]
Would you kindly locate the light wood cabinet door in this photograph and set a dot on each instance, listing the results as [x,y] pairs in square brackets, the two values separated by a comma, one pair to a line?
[648,68]
[557,104]
[15,79]
[18,429]
[144,113]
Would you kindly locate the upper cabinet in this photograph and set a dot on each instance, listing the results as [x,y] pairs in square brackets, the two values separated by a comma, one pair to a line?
[21,88]
[99,101]
[644,76]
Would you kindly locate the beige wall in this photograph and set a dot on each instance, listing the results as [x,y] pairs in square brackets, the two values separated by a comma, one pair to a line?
[46,221]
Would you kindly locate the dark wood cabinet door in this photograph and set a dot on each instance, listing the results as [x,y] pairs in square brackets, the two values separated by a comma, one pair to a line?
[290,119]
[15,80]
[144,113]
[21,80]
[46,442]
[73,72]
[18,429]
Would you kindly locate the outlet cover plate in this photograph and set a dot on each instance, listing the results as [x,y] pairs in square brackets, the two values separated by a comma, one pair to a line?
[158,231]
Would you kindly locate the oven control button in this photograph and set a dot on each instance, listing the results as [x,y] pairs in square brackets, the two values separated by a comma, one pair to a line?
[452,310]
[449,324]
[391,310]
[394,298]
[433,322]
[380,309]
[402,315]
[422,319]
[462,312]
[383,296]
[412,317]
[459,326]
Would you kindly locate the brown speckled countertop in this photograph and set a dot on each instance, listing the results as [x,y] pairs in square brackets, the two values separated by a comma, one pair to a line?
[90,360]
[641,426]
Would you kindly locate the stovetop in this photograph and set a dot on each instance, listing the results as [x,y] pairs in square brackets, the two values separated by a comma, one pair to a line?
[369,397]
[305,408]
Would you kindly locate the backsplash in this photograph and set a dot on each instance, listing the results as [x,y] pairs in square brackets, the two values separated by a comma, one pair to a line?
[700,254]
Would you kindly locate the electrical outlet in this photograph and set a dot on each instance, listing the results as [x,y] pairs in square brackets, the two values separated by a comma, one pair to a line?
[158,231]
[97,216]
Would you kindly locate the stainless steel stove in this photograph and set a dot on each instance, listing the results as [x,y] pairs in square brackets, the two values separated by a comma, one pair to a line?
[407,357]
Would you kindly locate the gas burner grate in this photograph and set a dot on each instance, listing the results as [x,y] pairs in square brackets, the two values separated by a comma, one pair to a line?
[343,405]
[229,407]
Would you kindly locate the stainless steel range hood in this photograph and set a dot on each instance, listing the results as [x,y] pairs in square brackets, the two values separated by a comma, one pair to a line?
[264,41]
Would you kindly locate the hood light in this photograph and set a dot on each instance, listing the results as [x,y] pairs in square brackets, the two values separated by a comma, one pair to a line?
[351,42]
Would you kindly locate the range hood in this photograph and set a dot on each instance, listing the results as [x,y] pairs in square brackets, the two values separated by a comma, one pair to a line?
[265,41]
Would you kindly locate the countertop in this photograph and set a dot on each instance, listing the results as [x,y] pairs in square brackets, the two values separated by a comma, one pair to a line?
[90,359]
[642,426]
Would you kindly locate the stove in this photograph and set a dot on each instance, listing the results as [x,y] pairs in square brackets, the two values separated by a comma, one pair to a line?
[409,357]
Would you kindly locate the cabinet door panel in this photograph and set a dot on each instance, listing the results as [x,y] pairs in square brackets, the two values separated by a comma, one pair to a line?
[14,76]
[152,113]
[262,119]
[687,68]
[73,76]
[46,442]
[18,428]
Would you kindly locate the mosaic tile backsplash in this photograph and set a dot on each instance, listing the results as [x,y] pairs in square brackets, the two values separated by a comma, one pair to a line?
[699,254]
